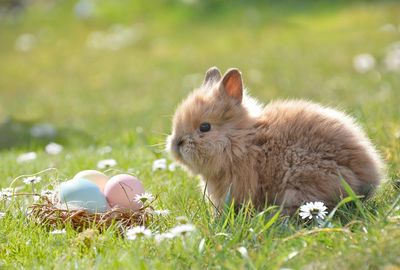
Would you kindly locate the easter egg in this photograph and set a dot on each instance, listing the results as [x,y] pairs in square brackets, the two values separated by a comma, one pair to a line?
[96,177]
[121,190]
[82,193]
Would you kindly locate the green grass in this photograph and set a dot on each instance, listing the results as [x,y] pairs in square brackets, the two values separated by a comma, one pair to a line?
[125,99]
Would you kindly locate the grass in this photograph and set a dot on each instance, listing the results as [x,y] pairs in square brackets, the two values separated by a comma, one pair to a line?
[125,98]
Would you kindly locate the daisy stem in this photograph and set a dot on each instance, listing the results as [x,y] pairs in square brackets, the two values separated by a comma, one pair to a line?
[315,219]
[184,242]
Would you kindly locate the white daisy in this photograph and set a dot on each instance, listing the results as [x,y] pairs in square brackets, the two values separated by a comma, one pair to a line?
[183,229]
[159,164]
[6,193]
[313,210]
[162,212]
[106,163]
[2,214]
[55,232]
[32,180]
[53,148]
[163,236]
[138,231]
[144,197]
[26,157]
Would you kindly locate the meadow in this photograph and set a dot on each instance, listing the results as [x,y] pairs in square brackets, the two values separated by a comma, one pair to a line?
[103,78]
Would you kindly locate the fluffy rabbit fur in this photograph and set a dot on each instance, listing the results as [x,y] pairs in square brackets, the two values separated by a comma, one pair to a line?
[287,153]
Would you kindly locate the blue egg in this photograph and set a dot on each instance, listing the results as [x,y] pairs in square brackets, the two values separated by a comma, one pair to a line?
[82,193]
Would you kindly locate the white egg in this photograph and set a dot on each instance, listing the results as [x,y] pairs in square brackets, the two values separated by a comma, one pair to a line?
[99,178]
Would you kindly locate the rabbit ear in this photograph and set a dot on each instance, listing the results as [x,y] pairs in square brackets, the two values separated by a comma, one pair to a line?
[213,75]
[232,84]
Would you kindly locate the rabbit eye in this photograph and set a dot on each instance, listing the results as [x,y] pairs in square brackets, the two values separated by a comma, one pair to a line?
[204,127]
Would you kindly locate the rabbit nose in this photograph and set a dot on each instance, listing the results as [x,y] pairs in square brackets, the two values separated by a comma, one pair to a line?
[179,142]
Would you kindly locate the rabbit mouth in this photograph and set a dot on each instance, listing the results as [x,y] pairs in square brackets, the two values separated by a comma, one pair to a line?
[176,148]
[184,150]
[185,153]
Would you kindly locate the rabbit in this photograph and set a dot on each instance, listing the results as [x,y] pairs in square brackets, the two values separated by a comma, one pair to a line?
[287,153]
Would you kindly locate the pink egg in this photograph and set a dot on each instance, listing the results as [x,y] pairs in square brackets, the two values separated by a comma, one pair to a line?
[121,190]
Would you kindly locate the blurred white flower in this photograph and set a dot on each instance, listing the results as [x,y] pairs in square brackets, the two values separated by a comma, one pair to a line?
[32,180]
[106,163]
[6,193]
[25,42]
[312,210]
[392,59]
[182,219]
[104,150]
[2,214]
[388,28]
[56,232]
[243,252]
[189,2]
[118,37]
[159,164]
[183,229]
[84,9]
[172,166]
[363,62]
[163,236]
[162,212]
[397,134]
[26,157]
[144,197]
[53,148]
[138,231]
[139,129]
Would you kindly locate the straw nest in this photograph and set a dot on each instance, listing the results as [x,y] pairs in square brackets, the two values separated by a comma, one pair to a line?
[48,213]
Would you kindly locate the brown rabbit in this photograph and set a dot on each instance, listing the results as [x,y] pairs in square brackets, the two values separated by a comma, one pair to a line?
[288,153]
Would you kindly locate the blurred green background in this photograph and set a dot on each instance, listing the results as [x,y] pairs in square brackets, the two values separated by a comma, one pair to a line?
[114,71]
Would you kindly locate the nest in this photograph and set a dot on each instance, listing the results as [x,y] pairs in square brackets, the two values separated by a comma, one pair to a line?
[49,214]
